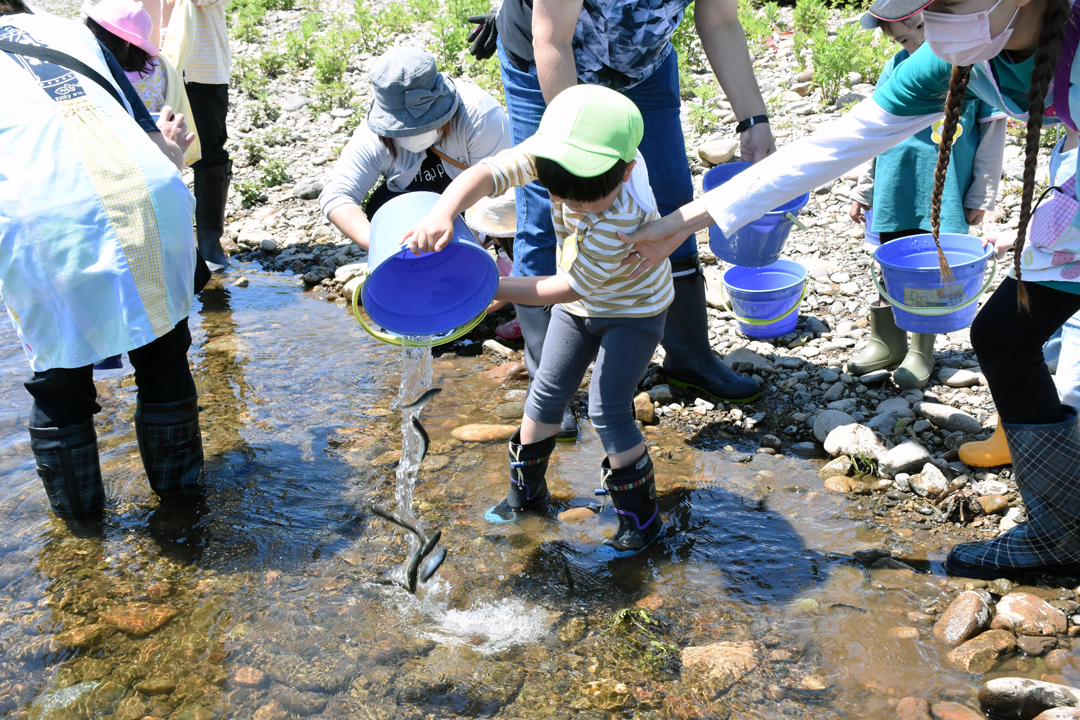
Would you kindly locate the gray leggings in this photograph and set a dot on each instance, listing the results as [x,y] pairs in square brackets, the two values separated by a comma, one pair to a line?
[622,347]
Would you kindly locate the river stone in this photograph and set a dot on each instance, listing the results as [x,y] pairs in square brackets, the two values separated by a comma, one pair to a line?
[644,410]
[576,515]
[929,483]
[807,450]
[1036,646]
[1056,660]
[829,420]
[745,356]
[842,484]
[510,410]
[958,378]
[82,637]
[904,458]
[482,432]
[913,708]
[955,711]
[1027,614]
[884,423]
[1014,698]
[327,672]
[157,685]
[460,680]
[345,273]
[307,190]
[139,619]
[1059,714]
[982,653]
[300,702]
[661,394]
[898,405]
[508,372]
[247,676]
[835,392]
[724,663]
[992,504]
[717,152]
[292,103]
[853,441]
[836,467]
[968,615]
[948,418]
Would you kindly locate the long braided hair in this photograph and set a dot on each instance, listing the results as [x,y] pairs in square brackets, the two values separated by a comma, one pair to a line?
[1055,19]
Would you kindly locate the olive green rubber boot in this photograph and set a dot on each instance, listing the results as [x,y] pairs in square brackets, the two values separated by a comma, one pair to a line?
[915,371]
[888,343]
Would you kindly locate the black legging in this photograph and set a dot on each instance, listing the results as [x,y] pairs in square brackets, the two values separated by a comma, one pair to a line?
[1008,342]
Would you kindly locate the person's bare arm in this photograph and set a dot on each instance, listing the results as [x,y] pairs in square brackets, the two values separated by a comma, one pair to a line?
[433,233]
[553,26]
[547,290]
[724,42]
[352,222]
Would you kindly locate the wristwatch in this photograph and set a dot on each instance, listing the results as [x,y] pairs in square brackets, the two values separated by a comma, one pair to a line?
[750,122]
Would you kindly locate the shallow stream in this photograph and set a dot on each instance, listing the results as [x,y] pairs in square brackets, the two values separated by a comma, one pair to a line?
[262,601]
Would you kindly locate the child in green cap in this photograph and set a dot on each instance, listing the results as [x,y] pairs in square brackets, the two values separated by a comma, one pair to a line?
[585,154]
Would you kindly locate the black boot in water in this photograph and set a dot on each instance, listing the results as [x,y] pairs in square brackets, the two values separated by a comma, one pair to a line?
[528,488]
[67,462]
[633,493]
[171,445]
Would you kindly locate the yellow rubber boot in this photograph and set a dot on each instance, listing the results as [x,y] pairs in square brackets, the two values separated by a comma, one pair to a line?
[987,453]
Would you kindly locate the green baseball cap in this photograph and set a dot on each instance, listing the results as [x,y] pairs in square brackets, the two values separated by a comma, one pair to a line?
[586,129]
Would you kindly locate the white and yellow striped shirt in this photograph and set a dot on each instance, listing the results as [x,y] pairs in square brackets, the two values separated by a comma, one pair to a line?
[210,59]
[590,252]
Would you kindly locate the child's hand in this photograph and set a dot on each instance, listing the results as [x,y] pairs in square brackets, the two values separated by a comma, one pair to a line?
[1002,240]
[974,216]
[857,210]
[431,234]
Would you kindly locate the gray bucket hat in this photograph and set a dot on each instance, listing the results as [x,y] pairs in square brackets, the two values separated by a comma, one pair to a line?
[411,95]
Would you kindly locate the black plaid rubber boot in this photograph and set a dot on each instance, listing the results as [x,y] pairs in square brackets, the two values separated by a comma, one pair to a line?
[1046,465]
[68,464]
[528,486]
[632,490]
[171,445]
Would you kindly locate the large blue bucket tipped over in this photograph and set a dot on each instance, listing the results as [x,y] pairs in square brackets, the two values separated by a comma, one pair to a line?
[430,294]
[921,303]
[759,242]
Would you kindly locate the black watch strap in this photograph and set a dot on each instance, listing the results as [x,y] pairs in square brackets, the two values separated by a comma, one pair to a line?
[750,122]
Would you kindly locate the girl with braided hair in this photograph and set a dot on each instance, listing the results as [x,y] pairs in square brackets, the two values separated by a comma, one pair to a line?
[1009,53]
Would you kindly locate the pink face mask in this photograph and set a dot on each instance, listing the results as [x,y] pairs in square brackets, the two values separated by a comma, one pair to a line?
[965,39]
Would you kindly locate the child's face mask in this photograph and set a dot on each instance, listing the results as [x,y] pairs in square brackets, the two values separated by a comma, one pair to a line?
[965,39]
[418,143]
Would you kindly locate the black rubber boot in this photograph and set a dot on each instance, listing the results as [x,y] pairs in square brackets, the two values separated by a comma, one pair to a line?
[69,467]
[528,487]
[632,490]
[211,192]
[568,429]
[689,359]
[171,445]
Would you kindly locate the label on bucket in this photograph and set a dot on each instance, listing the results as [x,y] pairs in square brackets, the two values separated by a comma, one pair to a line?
[945,296]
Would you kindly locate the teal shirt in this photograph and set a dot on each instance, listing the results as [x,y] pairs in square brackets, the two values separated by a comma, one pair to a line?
[904,175]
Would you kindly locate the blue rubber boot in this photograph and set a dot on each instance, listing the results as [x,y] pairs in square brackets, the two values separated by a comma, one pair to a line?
[1046,465]
[528,486]
[632,490]
[689,359]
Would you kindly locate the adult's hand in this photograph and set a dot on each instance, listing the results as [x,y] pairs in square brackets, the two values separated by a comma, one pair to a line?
[654,241]
[757,143]
[857,210]
[482,36]
[174,127]
[974,216]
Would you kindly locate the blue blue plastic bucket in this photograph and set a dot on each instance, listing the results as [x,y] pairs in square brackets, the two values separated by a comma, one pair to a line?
[868,234]
[757,243]
[921,304]
[765,300]
[431,294]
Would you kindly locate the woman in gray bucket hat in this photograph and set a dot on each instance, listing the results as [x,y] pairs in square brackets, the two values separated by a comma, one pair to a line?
[421,131]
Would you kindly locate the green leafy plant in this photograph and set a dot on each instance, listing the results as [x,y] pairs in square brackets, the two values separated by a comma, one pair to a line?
[300,43]
[252,152]
[378,27]
[248,77]
[810,16]
[423,10]
[264,110]
[271,63]
[275,172]
[330,95]
[641,632]
[863,464]
[250,194]
[801,42]
[703,117]
[276,135]
[245,19]
[771,11]
[875,52]
[757,28]
[835,57]
[451,30]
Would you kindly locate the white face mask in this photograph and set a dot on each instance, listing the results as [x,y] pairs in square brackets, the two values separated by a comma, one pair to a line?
[965,39]
[418,143]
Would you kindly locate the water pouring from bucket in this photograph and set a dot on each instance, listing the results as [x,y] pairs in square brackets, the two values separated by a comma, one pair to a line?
[423,300]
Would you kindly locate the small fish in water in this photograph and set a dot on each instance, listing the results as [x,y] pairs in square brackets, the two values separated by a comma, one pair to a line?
[421,401]
[425,547]
[421,434]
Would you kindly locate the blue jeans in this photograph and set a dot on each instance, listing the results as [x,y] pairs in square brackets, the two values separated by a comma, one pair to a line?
[662,146]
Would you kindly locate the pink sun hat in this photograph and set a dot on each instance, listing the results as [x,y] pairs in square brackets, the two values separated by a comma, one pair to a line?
[127,20]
